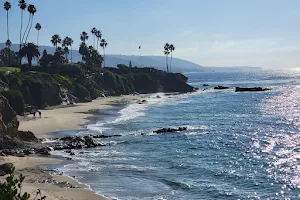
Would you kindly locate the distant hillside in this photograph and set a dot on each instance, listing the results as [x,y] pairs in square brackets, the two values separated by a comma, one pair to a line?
[159,62]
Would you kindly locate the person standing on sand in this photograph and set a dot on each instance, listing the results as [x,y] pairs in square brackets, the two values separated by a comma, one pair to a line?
[40,114]
[34,114]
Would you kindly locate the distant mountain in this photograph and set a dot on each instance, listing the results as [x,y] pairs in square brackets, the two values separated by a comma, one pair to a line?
[158,62]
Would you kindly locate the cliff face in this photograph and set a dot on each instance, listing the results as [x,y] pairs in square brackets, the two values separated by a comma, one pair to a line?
[10,137]
[42,89]
[8,119]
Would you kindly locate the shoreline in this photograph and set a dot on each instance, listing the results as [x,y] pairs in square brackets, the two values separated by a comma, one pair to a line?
[57,119]
[67,118]
[53,186]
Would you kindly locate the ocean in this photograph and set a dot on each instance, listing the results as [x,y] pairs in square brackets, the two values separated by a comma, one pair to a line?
[237,145]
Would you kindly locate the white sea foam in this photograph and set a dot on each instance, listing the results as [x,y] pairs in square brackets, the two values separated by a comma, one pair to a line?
[47,140]
[195,133]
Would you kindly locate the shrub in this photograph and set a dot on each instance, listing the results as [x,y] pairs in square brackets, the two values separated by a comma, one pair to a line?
[71,70]
[12,189]
[64,80]
[15,99]
[81,92]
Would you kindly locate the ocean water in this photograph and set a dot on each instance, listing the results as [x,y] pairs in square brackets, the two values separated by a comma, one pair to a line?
[237,146]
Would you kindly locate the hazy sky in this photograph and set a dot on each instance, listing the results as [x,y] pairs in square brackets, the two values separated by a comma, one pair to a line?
[263,33]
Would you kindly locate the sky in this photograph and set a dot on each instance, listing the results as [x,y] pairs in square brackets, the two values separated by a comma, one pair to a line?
[260,33]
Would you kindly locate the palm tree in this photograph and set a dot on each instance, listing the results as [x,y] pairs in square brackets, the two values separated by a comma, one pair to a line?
[38,28]
[103,44]
[98,36]
[94,31]
[30,51]
[32,10]
[56,40]
[67,41]
[84,36]
[7,7]
[171,48]
[23,6]
[66,51]
[167,52]
[8,44]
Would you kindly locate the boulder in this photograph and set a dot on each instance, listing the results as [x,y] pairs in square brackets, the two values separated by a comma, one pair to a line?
[169,130]
[6,167]
[251,89]
[205,85]
[220,87]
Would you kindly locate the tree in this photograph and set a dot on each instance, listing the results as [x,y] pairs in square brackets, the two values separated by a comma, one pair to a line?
[94,31]
[67,51]
[9,57]
[90,56]
[67,42]
[103,44]
[38,28]
[7,7]
[167,52]
[23,6]
[171,48]
[56,40]
[98,35]
[46,60]
[30,51]
[32,10]
[8,43]
[84,36]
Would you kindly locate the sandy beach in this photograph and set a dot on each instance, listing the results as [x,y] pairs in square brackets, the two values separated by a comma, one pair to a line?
[69,118]
[54,119]
[35,176]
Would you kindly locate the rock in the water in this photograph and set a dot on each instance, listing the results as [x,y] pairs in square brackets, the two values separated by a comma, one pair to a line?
[220,87]
[169,130]
[205,85]
[6,167]
[105,136]
[251,89]
[76,142]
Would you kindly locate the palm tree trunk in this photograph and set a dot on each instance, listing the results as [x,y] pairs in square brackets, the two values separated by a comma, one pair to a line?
[71,55]
[171,62]
[26,29]
[21,29]
[37,40]
[7,25]
[104,57]
[94,41]
[97,43]
[141,58]
[167,63]
[29,29]
[20,61]
[30,63]
[8,37]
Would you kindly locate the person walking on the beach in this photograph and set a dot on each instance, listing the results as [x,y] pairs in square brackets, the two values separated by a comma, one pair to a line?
[34,114]
[40,114]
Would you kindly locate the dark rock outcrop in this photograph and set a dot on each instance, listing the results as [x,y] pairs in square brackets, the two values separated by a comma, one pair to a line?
[105,136]
[6,168]
[169,130]
[220,87]
[251,89]
[75,142]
